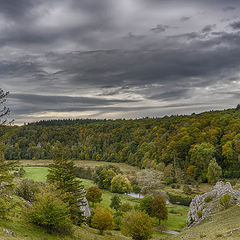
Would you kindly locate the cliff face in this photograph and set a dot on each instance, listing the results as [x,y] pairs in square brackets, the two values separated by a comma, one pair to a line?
[203,206]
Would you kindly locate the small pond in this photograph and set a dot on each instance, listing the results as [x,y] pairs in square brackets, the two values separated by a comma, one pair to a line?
[140,196]
[136,195]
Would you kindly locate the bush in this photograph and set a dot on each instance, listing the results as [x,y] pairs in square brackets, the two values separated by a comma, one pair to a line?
[146,204]
[187,189]
[178,199]
[6,205]
[27,189]
[208,199]
[178,186]
[50,212]
[225,201]
[173,186]
[102,219]
[137,225]
[115,202]
[168,180]
[125,207]
[117,222]
[199,213]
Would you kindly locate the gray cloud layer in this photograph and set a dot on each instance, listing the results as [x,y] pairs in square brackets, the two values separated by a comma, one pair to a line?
[129,58]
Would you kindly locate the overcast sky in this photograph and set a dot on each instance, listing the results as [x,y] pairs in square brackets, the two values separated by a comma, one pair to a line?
[118,58]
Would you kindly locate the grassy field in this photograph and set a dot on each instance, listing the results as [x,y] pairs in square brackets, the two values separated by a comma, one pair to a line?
[126,169]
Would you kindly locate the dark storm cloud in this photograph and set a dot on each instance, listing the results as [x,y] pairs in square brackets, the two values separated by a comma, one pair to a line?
[184,19]
[229,8]
[160,28]
[112,57]
[235,25]
[87,101]
[208,28]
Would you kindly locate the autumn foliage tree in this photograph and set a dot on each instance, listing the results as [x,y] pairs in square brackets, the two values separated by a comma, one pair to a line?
[102,219]
[94,195]
[137,225]
[120,184]
[159,208]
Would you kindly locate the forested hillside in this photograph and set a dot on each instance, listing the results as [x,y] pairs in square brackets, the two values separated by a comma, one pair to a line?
[185,143]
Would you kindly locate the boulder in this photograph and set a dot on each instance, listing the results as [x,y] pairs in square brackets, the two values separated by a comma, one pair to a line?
[203,206]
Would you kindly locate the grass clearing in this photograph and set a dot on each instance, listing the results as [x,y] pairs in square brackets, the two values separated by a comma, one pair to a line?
[126,169]
[38,174]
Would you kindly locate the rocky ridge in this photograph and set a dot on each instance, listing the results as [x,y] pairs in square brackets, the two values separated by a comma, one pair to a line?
[203,206]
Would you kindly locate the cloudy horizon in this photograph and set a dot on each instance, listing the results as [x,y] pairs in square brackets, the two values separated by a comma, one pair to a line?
[118,59]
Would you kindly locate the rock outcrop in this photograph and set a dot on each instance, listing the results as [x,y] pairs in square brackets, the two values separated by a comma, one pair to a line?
[203,206]
[84,207]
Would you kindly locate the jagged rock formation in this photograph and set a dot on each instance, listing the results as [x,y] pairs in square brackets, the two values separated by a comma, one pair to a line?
[84,207]
[202,206]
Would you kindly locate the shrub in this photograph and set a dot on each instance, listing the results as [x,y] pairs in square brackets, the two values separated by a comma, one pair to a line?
[27,189]
[137,225]
[6,205]
[173,186]
[187,189]
[178,186]
[115,202]
[125,207]
[208,199]
[50,212]
[178,199]
[117,222]
[168,180]
[146,204]
[199,213]
[102,219]
[225,201]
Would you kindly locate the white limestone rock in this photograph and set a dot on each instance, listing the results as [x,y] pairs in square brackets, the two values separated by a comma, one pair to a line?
[203,206]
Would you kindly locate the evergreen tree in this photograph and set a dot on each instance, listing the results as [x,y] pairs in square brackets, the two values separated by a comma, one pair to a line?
[62,173]
[6,167]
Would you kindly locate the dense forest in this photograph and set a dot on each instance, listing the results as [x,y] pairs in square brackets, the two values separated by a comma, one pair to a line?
[185,142]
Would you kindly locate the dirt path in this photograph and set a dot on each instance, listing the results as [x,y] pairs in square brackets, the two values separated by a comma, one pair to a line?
[171,232]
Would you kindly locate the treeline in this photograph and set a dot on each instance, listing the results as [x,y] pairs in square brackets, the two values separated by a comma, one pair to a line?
[181,143]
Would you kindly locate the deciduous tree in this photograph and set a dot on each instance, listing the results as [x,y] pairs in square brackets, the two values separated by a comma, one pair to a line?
[137,225]
[159,208]
[102,219]
[94,194]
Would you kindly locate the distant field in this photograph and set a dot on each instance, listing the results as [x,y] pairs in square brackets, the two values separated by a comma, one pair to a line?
[127,169]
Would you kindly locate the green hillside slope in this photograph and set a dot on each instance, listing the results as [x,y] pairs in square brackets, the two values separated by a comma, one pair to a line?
[223,225]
